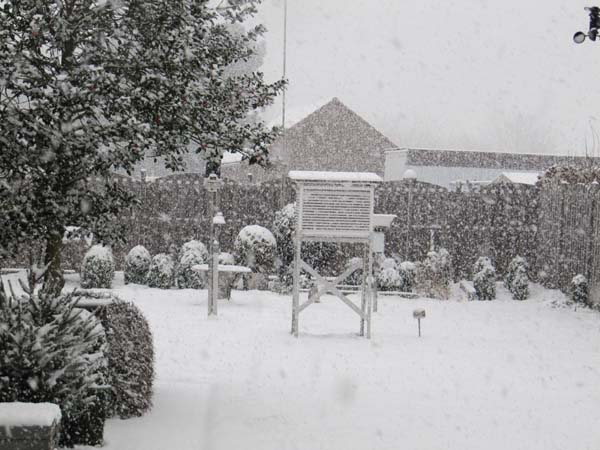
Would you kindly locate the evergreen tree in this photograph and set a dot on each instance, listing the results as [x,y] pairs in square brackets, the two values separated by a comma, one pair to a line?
[88,87]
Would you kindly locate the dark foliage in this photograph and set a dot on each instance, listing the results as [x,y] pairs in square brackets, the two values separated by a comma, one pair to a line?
[130,354]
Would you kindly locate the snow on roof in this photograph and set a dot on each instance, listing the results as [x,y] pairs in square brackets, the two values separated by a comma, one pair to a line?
[29,414]
[310,175]
[518,177]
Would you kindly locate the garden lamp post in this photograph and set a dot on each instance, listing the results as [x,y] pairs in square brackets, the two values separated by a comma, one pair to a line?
[213,183]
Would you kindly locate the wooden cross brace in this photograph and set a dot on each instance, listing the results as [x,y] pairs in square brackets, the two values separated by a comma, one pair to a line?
[325,286]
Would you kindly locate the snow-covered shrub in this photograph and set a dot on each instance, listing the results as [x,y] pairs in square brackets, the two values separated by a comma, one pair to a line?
[97,268]
[388,277]
[355,278]
[434,275]
[161,271]
[190,256]
[484,279]
[580,290]
[226,259]
[195,247]
[316,254]
[516,279]
[54,352]
[407,271]
[255,247]
[137,264]
[130,354]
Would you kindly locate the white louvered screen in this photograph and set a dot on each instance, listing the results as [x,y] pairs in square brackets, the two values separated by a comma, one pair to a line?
[333,211]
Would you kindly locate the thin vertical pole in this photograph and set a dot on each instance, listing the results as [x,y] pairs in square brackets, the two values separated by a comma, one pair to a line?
[370,284]
[297,248]
[284,64]
[211,252]
[296,289]
[363,302]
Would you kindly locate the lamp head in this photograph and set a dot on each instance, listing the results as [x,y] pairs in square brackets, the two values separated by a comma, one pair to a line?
[579,37]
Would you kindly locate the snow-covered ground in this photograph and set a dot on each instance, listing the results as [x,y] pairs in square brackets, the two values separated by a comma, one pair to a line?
[485,375]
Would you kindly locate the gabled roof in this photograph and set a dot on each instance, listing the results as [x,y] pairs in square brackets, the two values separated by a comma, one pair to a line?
[333,138]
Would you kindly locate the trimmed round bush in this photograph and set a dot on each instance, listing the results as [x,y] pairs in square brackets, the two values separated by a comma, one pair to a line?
[388,278]
[226,259]
[97,268]
[161,271]
[137,264]
[255,247]
[407,271]
[196,247]
[186,278]
[130,353]
[434,275]
[580,290]
[484,280]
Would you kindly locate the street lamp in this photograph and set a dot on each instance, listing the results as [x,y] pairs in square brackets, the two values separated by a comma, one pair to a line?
[580,36]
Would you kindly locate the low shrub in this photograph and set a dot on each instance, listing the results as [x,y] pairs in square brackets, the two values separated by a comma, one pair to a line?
[161,271]
[130,353]
[137,264]
[580,290]
[195,247]
[407,271]
[516,279]
[255,247]
[192,253]
[388,277]
[484,279]
[434,275]
[97,268]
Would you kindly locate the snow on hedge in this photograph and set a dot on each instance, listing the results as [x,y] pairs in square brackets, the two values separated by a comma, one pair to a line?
[97,268]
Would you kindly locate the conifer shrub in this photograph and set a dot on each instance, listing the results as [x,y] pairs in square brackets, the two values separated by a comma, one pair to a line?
[484,279]
[97,268]
[516,279]
[580,290]
[161,273]
[54,352]
[137,264]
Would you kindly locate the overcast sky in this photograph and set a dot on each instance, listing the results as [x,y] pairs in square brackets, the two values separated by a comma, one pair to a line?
[465,74]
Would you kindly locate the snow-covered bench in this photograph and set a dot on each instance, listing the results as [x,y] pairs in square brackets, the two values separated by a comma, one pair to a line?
[29,426]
